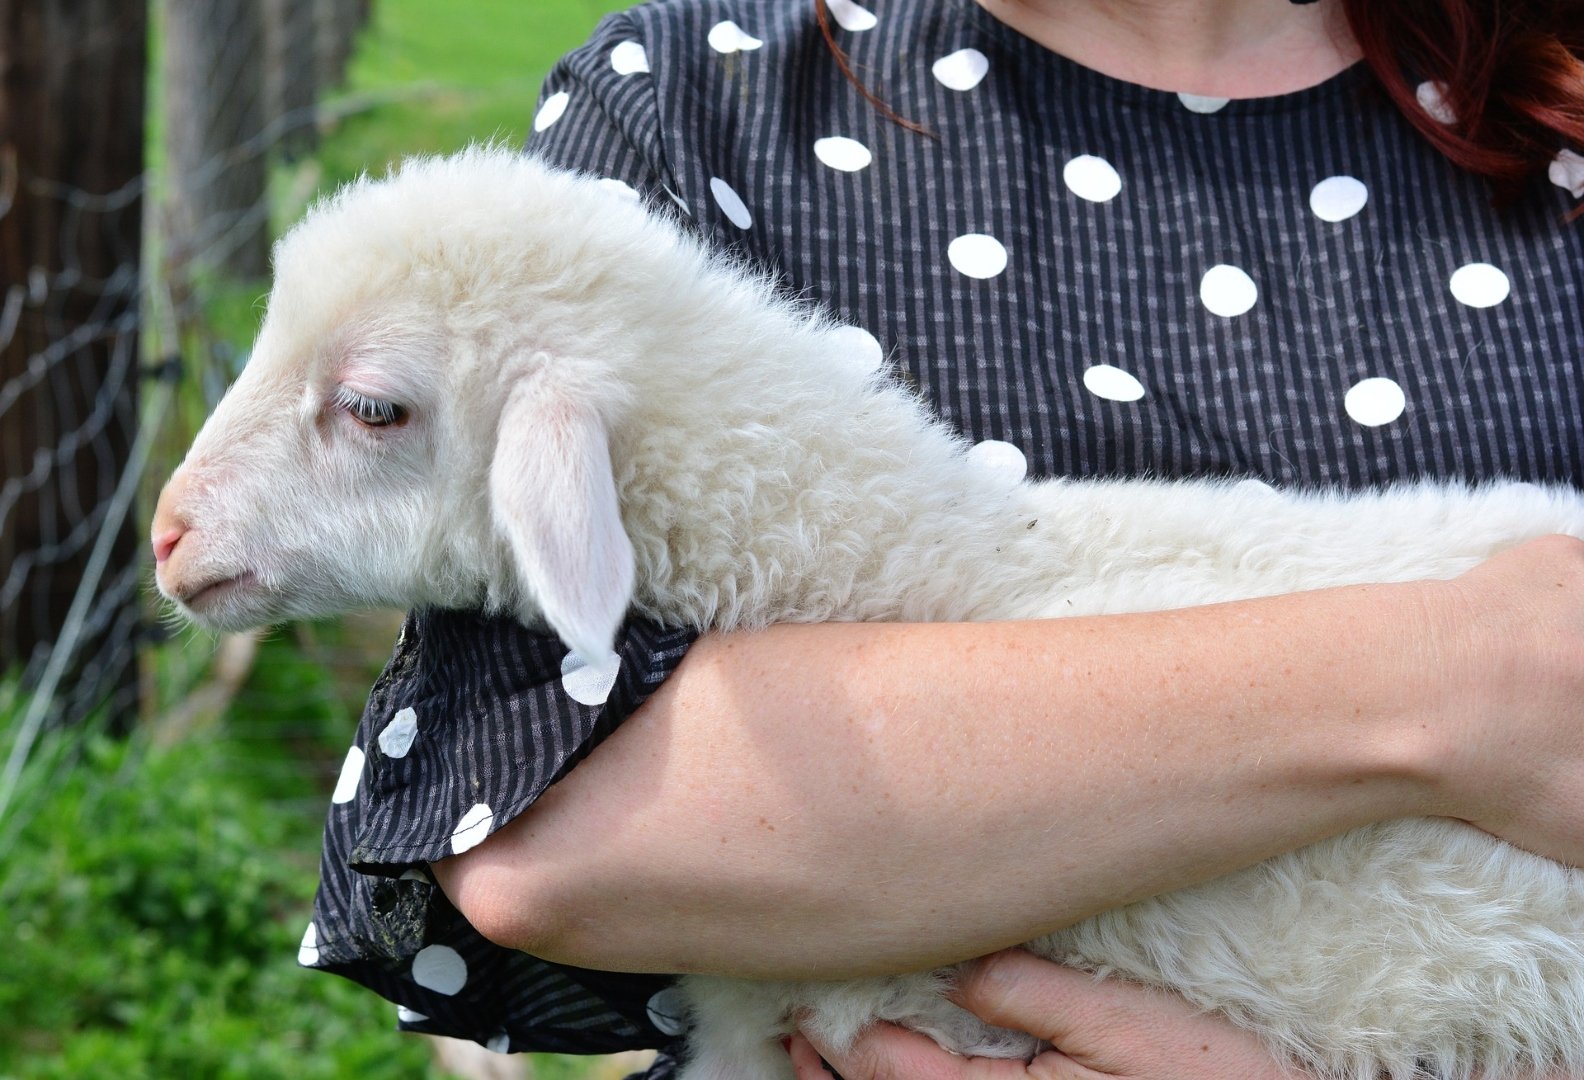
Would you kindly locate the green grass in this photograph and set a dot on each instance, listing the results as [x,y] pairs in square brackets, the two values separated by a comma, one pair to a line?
[155,900]
[448,75]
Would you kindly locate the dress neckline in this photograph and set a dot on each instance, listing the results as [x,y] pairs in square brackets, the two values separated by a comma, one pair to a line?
[1109,87]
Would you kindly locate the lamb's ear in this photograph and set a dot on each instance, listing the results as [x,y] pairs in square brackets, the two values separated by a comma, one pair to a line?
[554,499]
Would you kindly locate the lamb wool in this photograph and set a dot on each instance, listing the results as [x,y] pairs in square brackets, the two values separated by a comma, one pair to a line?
[586,412]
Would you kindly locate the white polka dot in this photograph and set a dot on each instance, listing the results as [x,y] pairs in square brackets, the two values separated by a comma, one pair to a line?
[408,1016]
[1567,172]
[1112,383]
[847,155]
[728,37]
[472,829]
[849,16]
[1199,103]
[858,346]
[551,111]
[351,772]
[439,968]
[586,683]
[1001,460]
[1480,285]
[618,187]
[629,58]
[731,203]
[1092,178]
[1337,198]
[499,1044]
[977,255]
[667,1011]
[1432,98]
[961,70]
[1374,402]
[308,951]
[397,738]
[1228,291]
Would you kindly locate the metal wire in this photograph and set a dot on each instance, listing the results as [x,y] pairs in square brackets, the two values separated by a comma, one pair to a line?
[67,497]
[115,515]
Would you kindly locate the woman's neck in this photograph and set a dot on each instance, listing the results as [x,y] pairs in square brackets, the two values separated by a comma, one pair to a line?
[1216,48]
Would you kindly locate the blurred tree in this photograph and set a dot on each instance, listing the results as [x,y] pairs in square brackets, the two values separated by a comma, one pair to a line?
[242,79]
[291,76]
[216,216]
[72,76]
[339,23]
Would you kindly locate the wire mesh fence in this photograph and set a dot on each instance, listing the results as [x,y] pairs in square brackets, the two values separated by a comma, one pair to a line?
[70,257]
[147,150]
[130,231]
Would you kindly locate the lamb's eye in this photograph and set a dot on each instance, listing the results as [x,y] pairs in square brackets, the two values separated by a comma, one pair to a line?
[370,412]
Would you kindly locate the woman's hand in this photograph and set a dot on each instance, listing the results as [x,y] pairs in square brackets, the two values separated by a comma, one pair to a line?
[1108,1030]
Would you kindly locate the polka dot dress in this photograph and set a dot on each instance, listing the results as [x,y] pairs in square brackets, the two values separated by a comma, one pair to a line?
[1084,276]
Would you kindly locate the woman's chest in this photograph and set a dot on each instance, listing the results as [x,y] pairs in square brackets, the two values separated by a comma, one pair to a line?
[1311,299]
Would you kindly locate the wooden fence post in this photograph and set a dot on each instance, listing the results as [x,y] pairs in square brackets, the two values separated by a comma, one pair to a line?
[72,76]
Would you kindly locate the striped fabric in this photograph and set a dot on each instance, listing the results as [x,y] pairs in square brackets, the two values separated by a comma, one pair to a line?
[1085,276]
[471,720]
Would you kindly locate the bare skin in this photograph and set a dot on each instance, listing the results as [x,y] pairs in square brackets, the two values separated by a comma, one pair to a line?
[1217,48]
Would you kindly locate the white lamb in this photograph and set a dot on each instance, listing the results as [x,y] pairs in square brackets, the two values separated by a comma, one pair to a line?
[482,381]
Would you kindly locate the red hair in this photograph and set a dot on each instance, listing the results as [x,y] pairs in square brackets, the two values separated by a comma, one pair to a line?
[1511,72]
[822,15]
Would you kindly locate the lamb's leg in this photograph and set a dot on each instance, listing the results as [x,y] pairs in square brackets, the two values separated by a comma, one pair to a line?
[735,1027]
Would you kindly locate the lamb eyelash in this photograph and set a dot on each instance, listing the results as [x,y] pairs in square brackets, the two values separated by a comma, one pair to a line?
[370,412]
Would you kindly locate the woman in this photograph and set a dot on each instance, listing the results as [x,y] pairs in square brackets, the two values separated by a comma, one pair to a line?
[1105,238]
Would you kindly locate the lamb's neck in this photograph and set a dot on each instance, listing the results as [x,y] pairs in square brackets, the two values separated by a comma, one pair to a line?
[877,517]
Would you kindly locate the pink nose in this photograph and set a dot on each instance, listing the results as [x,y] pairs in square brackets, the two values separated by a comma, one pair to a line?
[165,543]
[169,527]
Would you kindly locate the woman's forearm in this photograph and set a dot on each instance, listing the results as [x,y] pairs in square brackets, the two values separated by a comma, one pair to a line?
[826,801]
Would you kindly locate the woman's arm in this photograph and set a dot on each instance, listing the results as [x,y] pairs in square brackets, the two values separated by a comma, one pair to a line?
[827,801]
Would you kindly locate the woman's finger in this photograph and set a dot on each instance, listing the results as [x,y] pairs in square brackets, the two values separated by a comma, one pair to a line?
[1062,1005]
[888,1052]
[1110,1026]
[806,1061]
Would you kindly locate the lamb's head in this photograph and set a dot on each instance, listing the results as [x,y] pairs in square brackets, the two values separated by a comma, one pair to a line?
[424,419]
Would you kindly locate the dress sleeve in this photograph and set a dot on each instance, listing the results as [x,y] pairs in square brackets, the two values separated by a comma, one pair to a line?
[599,114]
[472,719]
[475,716]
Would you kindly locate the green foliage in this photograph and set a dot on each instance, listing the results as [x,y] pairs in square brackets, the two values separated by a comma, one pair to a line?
[156,902]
